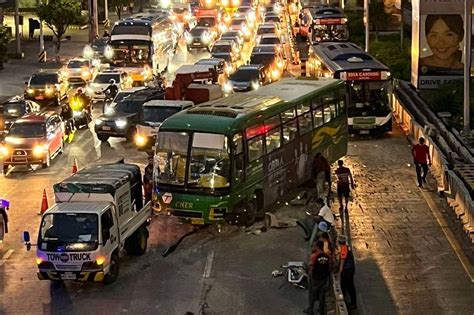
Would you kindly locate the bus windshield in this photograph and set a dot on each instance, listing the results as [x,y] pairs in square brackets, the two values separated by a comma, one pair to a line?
[137,54]
[209,165]
[369,97]
[330,33]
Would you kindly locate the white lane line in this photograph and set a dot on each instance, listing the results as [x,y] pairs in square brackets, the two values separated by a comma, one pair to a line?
[208,267]
[449,235]
[6,256]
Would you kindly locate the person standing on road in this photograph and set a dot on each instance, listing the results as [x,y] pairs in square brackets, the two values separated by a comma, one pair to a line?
[421,158]
[319,271]
[347,271]
[148,179]
[345,182]
[321,173]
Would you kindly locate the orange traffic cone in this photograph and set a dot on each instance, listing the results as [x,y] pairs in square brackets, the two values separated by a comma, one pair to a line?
[44,203]
[74,166]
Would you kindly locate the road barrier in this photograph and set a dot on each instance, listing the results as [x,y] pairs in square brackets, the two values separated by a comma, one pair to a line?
[451,159]
[42,56]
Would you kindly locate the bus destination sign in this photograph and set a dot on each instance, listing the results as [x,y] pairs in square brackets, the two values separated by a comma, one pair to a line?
[362,76]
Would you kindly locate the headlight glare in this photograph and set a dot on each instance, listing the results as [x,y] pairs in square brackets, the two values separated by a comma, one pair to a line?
[121,123]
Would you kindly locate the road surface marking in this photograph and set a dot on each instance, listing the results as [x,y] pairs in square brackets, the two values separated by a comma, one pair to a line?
[209,261]
[450,236]
[6,256]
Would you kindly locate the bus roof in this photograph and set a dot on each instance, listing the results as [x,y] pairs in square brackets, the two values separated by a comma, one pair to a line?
[238,111]
[340,57]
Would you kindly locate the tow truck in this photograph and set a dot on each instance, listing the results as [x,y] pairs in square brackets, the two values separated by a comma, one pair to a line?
[99,211]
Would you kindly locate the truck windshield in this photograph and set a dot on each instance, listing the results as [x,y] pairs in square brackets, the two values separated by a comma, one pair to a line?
[209,165]
[68,229]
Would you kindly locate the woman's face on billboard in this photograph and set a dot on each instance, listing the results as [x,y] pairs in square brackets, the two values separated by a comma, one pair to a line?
[442,40]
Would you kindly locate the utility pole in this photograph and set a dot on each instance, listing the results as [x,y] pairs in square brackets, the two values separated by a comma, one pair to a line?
[41,40]
[17,29]
[467,63]
[402,25]
[93,20]
[366,21]
[106,10]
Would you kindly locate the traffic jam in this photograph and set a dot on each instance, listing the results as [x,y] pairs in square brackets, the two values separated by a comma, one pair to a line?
[216,130]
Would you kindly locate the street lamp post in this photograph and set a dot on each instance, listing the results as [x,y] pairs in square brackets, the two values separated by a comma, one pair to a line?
[93,20]
[467,63]
[17,29]
[366,21]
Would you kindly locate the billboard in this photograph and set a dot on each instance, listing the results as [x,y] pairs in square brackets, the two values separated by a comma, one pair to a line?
[437,42]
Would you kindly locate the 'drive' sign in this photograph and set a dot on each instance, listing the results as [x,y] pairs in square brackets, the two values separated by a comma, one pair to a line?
[167,198]
[361,76]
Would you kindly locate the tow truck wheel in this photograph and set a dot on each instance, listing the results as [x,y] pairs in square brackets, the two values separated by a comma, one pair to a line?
[47,161]
[102,138]
[113,271]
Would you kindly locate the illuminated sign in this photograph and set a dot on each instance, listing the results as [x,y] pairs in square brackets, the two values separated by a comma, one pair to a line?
[330,21]
[364,76]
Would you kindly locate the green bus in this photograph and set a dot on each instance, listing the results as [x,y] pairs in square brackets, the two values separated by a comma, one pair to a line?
[231,158]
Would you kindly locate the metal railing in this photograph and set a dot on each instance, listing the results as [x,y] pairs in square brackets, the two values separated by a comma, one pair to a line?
[446,150]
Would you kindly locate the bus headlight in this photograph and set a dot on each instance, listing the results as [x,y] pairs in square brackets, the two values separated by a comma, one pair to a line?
[140,140]
[121,123]
[40,150]
[108,52]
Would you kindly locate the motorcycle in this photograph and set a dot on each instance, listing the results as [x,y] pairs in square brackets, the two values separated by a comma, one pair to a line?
[295,274]
[4,206]
[80,111]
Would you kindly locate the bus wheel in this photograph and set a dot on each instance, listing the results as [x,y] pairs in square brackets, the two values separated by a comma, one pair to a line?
[245,214]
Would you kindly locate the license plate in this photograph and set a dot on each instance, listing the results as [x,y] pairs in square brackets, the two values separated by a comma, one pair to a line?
[106,128]
[40,97]
[364,132]
[68,276]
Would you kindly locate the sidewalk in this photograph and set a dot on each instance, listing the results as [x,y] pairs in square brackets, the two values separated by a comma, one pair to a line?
[405,263]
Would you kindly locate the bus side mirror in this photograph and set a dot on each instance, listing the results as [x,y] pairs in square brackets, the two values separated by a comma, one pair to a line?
[26,239]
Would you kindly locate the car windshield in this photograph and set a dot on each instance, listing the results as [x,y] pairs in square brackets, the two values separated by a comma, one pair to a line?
[231,34]
[13,110]
[206,21]
[209,165]
[44,78]
[264,59]
[221,49]
[77,64]
[157,114]
[272,18]
[27,130]
[69,228]
[198,31]
[269,41]
[245,75]
[179,10]
[265,30]
[128,106]
[105,78]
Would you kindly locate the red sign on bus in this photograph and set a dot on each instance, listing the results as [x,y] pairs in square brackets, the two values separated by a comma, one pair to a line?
[329,21]
[362,76]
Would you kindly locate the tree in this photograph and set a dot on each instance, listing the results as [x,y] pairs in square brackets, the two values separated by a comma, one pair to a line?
[117,6]
[4,39]
[378,18]
[58,16]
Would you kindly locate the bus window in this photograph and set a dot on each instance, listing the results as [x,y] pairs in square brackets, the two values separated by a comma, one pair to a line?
[273,139]
[288,115]
[318,117]
[341,102]
[171,155]
[290,130]
[239,174]
[255,148]
[330,111]
[272,122]
[304,117]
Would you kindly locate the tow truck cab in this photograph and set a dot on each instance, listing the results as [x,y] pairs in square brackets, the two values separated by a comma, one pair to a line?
[98,212]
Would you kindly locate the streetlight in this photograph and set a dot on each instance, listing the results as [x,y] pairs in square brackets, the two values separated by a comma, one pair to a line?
[366,21]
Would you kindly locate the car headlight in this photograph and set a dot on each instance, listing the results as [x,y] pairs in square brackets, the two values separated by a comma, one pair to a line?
[49,91]
[77,113]
[121,123]
[189,38]
[229,69]
[30,91]
[255,85]
[4,151]
[85,74]
[88,52]
[206,38]
[99,121]
[40,150]
[275,74]
[227,88]
[140,140]
[108,52]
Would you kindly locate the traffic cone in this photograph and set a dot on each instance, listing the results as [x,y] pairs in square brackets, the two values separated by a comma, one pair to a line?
[74,166]
[44,203]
